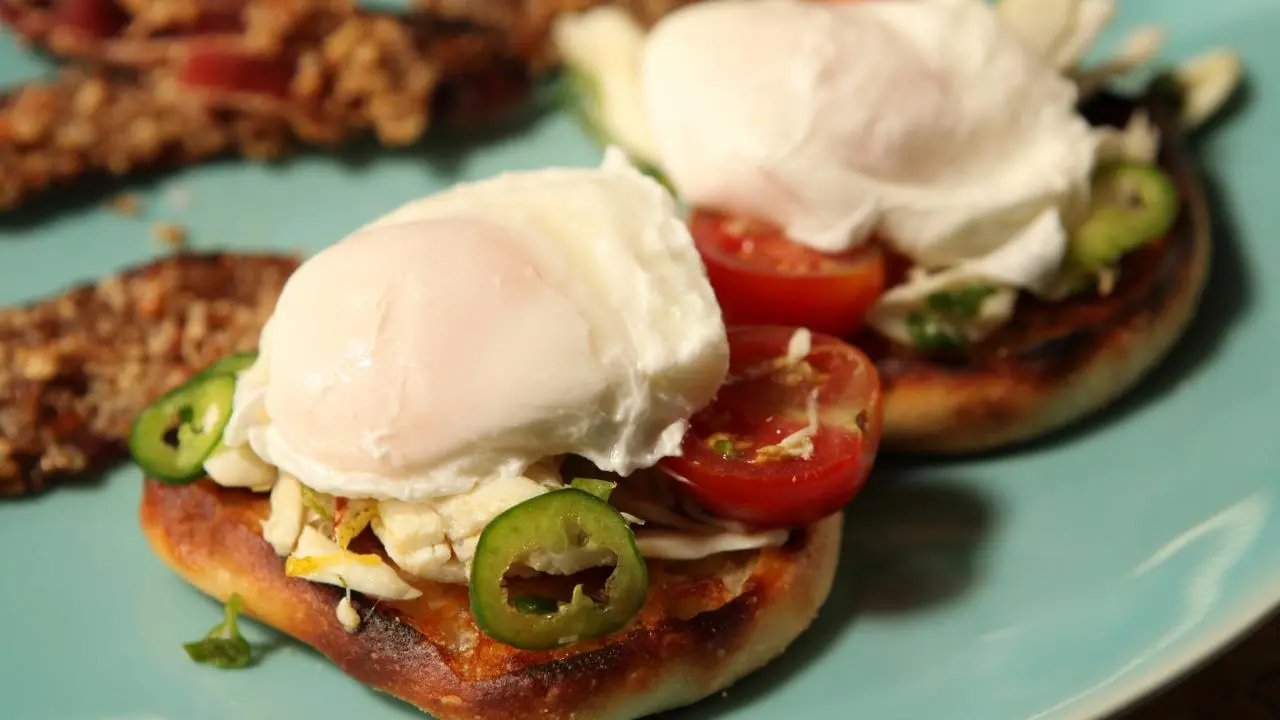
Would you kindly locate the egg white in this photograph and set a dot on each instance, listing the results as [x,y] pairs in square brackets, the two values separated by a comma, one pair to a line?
[607,241]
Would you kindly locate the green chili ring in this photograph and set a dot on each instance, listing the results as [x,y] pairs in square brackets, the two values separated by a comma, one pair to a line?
[232,364]
[1133,205]
[194,415]
[550,522]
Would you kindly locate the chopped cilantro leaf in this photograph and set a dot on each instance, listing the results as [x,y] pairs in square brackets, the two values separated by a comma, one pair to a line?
[961,303]
[930,335]
[223,647]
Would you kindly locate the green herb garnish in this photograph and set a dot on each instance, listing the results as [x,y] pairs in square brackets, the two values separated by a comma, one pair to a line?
[725,447]
[939,326]
[960,304]
[930,335]
[223,647]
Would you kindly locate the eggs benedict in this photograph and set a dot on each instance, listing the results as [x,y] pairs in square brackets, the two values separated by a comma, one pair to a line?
[504,427]
[930,177]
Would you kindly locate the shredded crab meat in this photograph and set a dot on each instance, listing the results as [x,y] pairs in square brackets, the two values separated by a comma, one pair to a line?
[799,346]
[347,615]
[1138,141]
[288,514]
[798,444]
[1208,82]
[319,559]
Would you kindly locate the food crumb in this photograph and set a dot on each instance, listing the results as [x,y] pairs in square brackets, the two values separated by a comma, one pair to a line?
[171,235]
[126,204]
[179,198]
[347,614]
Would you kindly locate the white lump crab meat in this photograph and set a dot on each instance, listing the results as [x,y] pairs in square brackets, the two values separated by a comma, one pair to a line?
[672,100]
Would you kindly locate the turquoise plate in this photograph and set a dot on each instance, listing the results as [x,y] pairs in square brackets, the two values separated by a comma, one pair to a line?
[1060,581]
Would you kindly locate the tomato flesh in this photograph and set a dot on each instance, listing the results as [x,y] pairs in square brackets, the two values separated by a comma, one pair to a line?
[761,277]
[740,458]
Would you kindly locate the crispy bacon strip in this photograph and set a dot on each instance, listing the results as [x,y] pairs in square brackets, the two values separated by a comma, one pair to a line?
[76,368]
[96,122]
[254,77]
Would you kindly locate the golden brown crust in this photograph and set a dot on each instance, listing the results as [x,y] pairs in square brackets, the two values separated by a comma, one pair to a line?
[705,623]
[76,368]
[1056,363]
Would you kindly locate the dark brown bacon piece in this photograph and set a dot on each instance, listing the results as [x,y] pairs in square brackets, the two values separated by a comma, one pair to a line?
[76,368]
[179,81]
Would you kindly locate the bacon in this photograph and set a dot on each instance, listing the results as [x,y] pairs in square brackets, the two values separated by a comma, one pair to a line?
[260,77]
[77,367]
[169,91]
[96,19]
[96,123]
[218,69]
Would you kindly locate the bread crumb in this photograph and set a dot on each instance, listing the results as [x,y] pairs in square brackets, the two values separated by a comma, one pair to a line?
[126,204]
[1107,279]
[171,235]
[179,198]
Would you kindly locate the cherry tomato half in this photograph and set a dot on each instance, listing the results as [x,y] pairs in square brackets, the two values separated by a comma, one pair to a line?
[762,278]
[737,458]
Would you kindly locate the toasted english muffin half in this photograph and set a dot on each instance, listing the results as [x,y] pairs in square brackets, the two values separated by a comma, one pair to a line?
[705,623]
[1056,363]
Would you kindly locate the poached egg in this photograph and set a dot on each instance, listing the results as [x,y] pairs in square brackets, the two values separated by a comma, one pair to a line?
[471,334]
[428,371]
[934,125]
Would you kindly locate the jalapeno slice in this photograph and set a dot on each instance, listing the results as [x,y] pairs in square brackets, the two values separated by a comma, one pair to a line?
[600,488]
[172,437]
[229,365]
[1133,205]
[555,522]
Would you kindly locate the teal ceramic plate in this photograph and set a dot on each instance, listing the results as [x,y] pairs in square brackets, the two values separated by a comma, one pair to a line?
[1057,582]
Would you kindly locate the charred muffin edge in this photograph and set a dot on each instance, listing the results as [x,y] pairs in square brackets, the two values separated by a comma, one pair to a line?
[209,536]
[1014,393]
